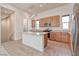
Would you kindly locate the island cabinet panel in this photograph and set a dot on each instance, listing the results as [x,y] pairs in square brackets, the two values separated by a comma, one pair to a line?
[60,37]
[55,21]
[45,40]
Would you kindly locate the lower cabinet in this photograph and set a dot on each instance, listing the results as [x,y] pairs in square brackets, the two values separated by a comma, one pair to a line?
[65,37]
[60,36]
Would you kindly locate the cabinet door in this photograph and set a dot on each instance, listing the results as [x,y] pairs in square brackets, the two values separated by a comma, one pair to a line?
[43,21]
[60,37]
[55,21]
[65,37]
[33,23]
[68,37]
[53,36]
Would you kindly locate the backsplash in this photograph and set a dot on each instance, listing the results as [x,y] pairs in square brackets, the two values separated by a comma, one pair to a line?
[52,28]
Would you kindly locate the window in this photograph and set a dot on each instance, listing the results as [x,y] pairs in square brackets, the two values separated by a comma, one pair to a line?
[37,24]
[25,21]
[65,22]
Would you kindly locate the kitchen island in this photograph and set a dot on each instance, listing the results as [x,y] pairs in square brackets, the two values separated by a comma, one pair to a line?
[36,40]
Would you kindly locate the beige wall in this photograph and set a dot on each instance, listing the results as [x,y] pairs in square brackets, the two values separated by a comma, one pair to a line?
[17,21]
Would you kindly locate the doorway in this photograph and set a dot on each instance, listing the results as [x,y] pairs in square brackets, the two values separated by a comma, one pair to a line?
[6,26]
[5,29]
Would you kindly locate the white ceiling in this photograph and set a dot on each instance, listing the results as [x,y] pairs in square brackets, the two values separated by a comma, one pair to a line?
[36,7]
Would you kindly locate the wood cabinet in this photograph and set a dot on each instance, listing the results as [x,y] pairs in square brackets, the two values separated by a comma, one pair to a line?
[60,36]
[45,40]
[43,21]
[65,37]
[54,21]
[55,36]
[33,23]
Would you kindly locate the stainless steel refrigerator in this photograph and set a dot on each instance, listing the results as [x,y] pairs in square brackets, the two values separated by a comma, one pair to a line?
[75,30]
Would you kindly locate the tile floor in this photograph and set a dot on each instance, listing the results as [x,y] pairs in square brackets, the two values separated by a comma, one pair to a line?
[3,52]
[16,48]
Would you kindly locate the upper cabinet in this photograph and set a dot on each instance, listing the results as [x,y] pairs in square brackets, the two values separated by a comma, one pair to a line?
[44,22]
[33,23]
[53,21]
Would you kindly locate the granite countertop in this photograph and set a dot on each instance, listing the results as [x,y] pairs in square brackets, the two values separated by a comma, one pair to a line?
[35,33]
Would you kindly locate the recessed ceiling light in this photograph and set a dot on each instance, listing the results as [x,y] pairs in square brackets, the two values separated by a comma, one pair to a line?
[41,5]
